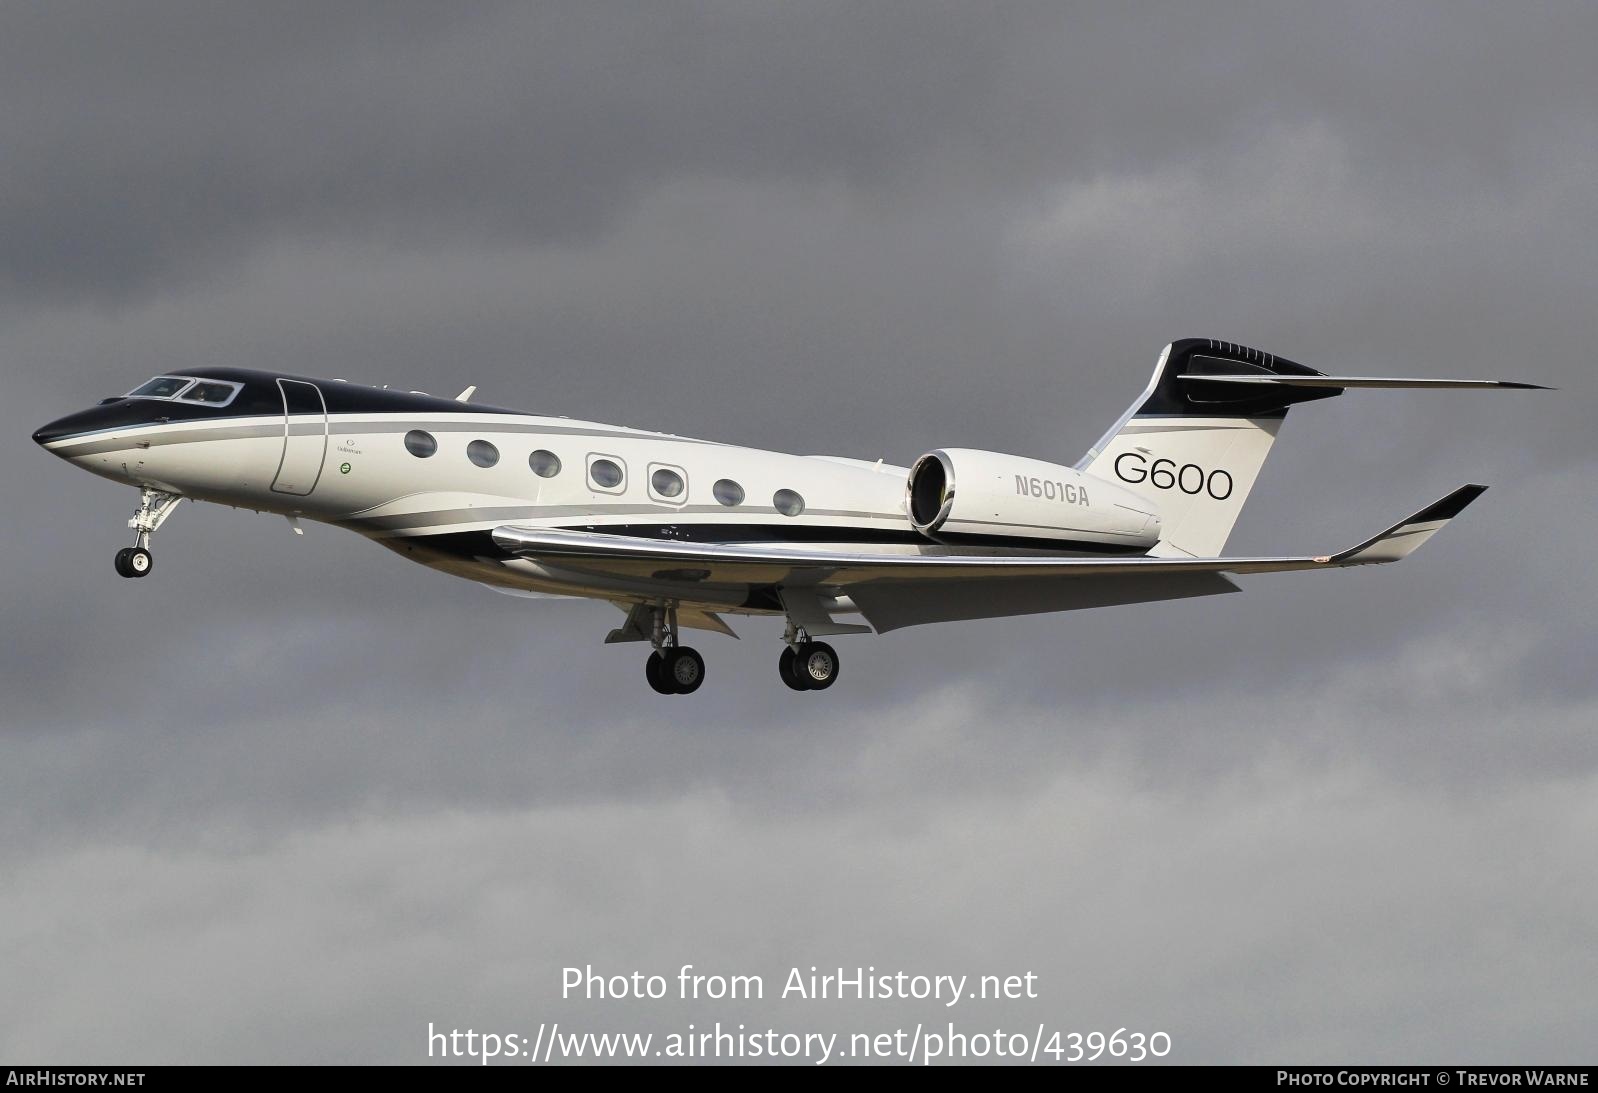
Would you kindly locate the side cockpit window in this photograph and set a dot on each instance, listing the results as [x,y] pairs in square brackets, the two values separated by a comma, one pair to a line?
[210,392]
[188,389]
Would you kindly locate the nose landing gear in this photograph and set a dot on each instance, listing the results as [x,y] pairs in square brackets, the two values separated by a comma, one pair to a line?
[154,507]
[134,561]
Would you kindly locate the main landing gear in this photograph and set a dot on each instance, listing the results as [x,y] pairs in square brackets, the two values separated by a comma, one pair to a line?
[672,669]
[807,665]
[154,507]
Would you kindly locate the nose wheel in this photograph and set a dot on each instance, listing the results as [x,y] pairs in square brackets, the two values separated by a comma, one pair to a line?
[134,561]
[154,507]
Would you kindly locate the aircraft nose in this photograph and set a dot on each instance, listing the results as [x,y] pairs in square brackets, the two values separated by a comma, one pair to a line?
[109,414]
[53,431]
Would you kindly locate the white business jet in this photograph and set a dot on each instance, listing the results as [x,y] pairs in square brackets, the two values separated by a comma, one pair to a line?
[679,533]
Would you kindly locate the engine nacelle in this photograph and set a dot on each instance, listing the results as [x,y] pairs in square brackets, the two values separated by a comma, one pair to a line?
[963,495]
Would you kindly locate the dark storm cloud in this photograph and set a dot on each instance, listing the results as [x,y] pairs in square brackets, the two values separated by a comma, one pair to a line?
[147,145]
[1338,815]
[159,145]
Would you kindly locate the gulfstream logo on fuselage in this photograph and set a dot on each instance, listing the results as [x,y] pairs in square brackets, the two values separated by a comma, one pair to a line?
[1064,492]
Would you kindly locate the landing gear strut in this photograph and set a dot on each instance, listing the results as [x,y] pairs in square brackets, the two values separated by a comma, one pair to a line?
[154,507]
[672,669]
[806,665]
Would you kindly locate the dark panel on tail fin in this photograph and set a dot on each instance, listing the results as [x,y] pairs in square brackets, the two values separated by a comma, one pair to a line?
[1178,392]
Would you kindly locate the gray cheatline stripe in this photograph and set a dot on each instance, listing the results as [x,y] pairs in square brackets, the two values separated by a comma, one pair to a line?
[164,434]
[153,439]
[406,425]
[446,517]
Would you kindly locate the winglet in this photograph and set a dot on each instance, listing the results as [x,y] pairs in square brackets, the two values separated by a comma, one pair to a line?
[1405,537]
[466,395]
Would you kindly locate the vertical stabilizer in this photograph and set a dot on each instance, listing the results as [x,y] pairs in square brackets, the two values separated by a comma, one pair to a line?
[1194,446]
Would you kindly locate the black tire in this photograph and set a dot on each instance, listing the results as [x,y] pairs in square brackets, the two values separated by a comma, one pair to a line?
[816,663]
[788,670]
[140,562]
[684,669]
[123,569]
[655,672]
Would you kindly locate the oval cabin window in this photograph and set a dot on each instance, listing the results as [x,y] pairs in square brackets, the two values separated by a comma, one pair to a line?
[544,464]
[667,483]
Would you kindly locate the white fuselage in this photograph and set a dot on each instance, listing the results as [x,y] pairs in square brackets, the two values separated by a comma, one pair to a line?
[437,499]
[676,531]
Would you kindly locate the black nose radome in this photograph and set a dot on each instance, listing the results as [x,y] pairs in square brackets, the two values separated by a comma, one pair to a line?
[92,420]
[53,431]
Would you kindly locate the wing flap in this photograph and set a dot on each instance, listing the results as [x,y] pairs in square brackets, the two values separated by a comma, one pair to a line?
[640,622]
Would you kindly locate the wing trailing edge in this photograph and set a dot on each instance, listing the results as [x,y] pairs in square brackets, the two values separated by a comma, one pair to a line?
[674,562]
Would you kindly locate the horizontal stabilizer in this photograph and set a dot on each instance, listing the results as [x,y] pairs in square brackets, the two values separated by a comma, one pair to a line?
[1343,383]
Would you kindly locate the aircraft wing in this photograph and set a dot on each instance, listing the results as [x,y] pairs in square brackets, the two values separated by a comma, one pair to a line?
[777,564]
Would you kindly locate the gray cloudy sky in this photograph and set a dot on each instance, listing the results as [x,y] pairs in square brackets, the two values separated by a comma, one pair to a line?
[294,799]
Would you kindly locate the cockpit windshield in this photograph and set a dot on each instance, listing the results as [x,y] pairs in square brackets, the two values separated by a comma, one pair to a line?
[160,387]
[188,389]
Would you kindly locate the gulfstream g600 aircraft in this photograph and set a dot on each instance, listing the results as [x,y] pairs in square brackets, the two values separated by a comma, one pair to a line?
[679,533]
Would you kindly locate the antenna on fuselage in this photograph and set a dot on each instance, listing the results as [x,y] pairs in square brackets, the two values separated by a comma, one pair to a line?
[466,395]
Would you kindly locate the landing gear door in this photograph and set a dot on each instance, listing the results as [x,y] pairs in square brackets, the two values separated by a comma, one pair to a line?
[304,438]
